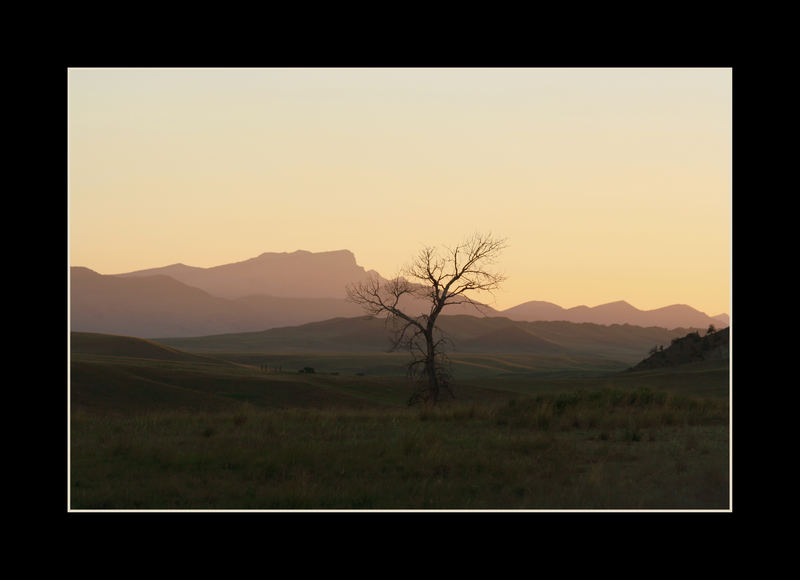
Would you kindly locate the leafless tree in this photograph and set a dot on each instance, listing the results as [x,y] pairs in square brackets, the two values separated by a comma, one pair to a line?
[435,279]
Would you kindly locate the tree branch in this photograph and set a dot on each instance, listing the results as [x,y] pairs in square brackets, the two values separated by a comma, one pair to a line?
[442,281]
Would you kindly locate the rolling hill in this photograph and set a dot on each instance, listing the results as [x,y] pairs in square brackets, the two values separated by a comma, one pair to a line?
[510,340]
[468,334]
[125,375]
[121,374]
[90,343]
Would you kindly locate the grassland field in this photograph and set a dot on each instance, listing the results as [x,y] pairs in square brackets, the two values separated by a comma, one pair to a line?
[162,429]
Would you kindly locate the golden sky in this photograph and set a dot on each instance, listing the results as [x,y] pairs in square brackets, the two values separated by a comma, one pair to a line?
[609,184]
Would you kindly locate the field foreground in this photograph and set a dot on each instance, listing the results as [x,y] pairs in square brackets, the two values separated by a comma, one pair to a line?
[156,428]
[604,448]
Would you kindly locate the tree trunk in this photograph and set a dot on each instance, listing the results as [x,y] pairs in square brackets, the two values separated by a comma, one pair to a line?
[430,368]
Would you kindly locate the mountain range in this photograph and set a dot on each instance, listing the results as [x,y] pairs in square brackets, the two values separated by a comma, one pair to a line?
[286,289]
[619,312]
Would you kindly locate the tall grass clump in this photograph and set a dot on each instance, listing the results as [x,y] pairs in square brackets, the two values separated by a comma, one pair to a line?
[609,409]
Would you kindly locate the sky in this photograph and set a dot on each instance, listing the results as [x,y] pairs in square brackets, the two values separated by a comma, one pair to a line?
[608,183]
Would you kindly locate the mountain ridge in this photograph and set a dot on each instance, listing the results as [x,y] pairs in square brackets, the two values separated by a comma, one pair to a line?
[277,289]
[616,312]
[303,274]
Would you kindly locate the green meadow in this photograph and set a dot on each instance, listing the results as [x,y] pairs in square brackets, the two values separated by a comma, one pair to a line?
[153,427]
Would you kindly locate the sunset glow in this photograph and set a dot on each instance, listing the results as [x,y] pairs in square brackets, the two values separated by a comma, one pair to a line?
[609,184]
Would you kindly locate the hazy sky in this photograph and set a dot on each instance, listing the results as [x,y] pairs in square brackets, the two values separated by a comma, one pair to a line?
[610,184]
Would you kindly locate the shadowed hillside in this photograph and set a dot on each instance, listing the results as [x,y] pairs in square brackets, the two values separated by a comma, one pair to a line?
[510,340]
[688,349]
[126,374]
[123,374]
[467,334]
[89,343]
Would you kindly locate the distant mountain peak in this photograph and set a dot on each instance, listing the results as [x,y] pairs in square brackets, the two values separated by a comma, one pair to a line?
[306,253]
[302,251]
[540,303]
[617,304]
[83,271]
[296,274]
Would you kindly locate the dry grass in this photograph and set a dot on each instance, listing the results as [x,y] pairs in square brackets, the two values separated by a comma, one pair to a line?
[607,449]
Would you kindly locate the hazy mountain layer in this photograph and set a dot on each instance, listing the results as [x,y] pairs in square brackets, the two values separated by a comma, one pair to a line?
[299,274]
[288,289]
[619,312]
[158,305]
[153,306]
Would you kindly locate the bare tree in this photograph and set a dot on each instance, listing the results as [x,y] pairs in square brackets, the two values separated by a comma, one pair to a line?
[434,279]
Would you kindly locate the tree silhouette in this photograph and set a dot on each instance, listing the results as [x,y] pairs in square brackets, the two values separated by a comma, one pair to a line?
[436,279]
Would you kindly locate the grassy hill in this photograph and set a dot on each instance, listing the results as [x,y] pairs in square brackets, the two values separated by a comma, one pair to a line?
[93,343]
[688,349]
[127,374]
[353,369]
[468,334]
